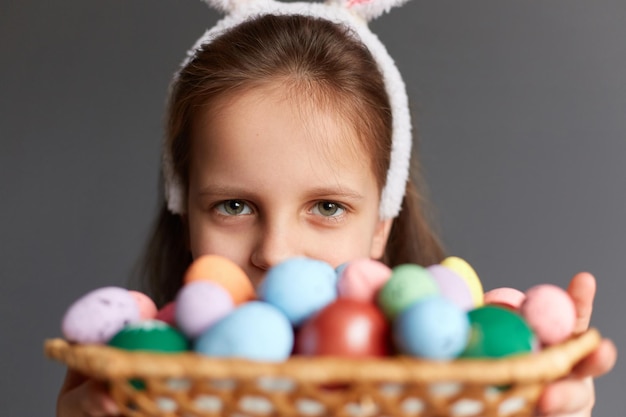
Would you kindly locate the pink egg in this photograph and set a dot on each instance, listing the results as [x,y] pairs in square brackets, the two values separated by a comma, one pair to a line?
[98,315]
[167,314]
[452,286]
[147,308]
[361,279]
[200,304]
[550,312]
[505,296]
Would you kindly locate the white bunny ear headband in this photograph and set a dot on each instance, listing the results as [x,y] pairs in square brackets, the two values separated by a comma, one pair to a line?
[354,14]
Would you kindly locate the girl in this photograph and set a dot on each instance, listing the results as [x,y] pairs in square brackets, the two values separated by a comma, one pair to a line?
[288,134]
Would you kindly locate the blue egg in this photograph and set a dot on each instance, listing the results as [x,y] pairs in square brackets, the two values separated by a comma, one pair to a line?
[255,331]
[432,328]
[299,287]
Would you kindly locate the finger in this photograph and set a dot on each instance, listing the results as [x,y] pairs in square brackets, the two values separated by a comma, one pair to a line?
[96,402]
[582,289]
[567,396]
[87,399]
[599,362]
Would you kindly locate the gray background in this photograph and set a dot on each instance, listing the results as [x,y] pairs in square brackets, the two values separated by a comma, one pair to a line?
[520,107]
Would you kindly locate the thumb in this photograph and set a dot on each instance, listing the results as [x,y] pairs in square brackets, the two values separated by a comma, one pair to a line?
[582,289]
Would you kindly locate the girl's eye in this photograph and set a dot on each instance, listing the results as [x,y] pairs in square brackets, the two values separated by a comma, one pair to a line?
[328,209]
[233,208]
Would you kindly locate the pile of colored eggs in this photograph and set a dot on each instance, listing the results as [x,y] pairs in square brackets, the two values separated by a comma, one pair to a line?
[305,307]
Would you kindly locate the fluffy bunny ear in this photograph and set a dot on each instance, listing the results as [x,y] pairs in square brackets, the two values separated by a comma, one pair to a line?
[368,9]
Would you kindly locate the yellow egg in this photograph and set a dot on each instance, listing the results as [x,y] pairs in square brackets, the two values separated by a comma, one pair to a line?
[465,270]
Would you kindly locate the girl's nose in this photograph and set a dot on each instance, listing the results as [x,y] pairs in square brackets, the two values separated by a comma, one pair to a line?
[275,243]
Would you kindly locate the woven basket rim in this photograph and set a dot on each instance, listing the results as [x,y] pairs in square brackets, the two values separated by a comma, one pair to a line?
[107,363]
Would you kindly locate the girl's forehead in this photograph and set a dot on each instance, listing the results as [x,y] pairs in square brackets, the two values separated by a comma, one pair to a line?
[284,118]
[263,143]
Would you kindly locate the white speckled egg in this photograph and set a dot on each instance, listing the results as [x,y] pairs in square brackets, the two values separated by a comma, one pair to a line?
[98,315]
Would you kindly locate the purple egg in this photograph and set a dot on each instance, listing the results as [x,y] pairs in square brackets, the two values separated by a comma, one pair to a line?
[98,315]
[452,286]
[200,304]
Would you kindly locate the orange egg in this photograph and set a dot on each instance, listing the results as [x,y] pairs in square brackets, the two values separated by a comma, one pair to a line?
[224,272]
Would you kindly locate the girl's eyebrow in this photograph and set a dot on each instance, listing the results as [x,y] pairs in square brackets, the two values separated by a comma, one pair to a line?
[234,191]
[341,192]
[223,190]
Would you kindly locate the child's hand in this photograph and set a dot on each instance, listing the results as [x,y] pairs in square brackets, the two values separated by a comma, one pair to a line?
[574,396]
[83,397]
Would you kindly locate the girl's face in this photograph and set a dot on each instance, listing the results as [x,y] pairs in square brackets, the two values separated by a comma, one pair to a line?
[272,179]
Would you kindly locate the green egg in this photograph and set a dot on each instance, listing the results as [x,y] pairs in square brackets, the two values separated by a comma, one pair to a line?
[408,284]
[497,332]
[149,336]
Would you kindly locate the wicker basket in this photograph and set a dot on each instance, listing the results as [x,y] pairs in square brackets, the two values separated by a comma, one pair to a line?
[189,385]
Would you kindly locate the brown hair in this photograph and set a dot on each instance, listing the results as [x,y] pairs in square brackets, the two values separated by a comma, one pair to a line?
[302,53]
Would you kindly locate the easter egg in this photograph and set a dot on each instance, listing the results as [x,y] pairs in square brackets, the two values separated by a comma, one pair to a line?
[147,308]
[199,304]
[452,286]
[224,272]
[167,314]
[505,296]
[361,279]
[465,270]
[150,335]
[255,330]
[550,312]
[498,332]
[408,284]
[434,328]
[299,287]
[345,327]
[99,314]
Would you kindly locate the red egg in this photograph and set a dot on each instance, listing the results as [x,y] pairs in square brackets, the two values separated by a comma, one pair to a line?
[167,314]
[345,328]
